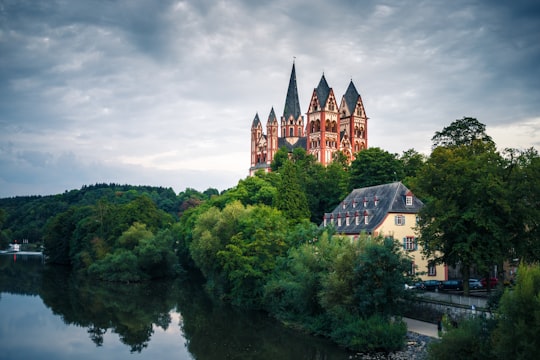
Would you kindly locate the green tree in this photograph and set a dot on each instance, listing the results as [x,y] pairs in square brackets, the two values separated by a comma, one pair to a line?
[518,329]
[374,166]
[291,197]
[462,132]
[412,162]
[379,278]
[524,196]
[464,220]
[280,158]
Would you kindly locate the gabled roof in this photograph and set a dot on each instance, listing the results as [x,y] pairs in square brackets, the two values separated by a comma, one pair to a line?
[299,142]
[376,202]
[292,104]
[351,97]
[322,90]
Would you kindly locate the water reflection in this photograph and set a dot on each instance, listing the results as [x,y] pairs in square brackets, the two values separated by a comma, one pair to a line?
[138,312]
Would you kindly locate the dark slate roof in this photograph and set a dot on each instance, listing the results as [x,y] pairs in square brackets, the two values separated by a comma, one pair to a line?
[272,117]
[292,104]
[351,97]
[390,199]
[300,142]
[323,90]
[256,121]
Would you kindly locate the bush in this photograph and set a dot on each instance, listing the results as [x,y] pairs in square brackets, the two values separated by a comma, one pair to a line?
[518,331]
[470,340]
[121,266]
[373,334]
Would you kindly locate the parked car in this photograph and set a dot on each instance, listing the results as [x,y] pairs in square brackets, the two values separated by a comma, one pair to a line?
[492,281]
[475,284]
[432,285]
[452,285]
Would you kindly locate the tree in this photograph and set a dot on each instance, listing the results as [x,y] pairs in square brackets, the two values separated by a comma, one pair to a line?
[412,162]
[464,220]
[291,197]
[518,329]
[462,132]
[523,169]
[379,278]
[374,166]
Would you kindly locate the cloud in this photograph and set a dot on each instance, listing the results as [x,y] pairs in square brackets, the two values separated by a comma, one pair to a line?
[165,93]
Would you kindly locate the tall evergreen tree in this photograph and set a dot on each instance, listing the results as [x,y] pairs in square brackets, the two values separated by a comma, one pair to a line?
[291,197]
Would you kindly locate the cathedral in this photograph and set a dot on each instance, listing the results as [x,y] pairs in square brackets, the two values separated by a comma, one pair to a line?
[327,128]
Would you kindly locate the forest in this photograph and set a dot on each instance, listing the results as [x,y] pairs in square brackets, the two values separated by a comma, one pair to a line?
[259,245]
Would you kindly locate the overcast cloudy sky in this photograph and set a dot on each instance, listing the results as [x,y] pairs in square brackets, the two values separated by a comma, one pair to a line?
[164,92]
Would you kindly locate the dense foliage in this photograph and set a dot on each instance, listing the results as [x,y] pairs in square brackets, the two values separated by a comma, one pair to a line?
[512,333]
[259,244]
[477,212]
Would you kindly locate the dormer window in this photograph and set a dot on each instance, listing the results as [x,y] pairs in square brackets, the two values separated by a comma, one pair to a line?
[357,218]
[366,220]
[354,203]
[365,202]
[324,220]
[332,219]
[408,198]
[343,204]
[347,220]
[339,220]
[376,201]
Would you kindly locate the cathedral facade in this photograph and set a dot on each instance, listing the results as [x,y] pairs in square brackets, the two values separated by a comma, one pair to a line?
[326,129]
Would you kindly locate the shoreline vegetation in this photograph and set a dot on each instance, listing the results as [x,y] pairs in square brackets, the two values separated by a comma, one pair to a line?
[259,245]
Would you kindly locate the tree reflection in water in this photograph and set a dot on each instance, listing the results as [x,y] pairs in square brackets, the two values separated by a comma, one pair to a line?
[129,310]
[209,330]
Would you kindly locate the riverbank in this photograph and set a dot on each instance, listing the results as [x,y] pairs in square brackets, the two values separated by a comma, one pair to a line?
[416,348]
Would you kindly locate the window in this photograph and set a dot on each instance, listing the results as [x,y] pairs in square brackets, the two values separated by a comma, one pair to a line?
[399,220]
[410,243]
[366,220]
[347,221]
[408,200]
[432,269]
[412,269]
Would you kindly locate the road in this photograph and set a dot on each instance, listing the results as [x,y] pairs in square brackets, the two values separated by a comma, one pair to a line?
[422,327]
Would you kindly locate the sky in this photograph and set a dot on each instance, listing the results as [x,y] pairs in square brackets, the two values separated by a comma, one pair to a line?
[163,93]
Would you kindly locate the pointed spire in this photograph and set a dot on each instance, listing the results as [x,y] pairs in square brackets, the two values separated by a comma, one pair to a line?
[323,90]
[351,97]
[256,121]
[292,104]
[272,117]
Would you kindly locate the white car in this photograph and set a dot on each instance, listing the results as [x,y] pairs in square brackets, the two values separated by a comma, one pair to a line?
[475,284]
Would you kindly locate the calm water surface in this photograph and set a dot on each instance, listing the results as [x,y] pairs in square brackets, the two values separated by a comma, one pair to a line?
[47,313]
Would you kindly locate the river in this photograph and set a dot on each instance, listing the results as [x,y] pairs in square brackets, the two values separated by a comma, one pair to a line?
[48,313]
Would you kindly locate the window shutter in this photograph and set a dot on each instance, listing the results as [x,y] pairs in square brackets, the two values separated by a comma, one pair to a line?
[405,243]
[415,244]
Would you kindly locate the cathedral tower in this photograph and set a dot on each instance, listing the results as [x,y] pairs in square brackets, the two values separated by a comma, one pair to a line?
[353,125]
[328,128]
[292,121]
[323,119]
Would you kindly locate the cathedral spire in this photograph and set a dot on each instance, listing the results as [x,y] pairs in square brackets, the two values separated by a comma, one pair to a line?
[292,104]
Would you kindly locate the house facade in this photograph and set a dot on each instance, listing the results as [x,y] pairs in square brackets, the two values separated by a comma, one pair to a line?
[328,127]
[389,210]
